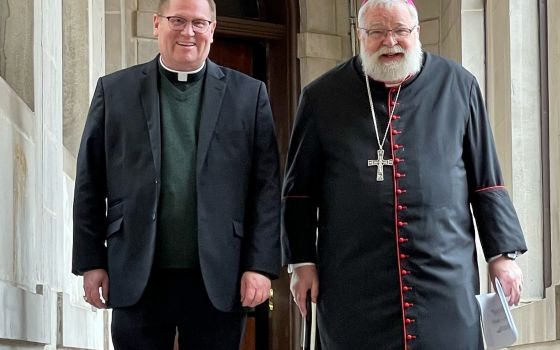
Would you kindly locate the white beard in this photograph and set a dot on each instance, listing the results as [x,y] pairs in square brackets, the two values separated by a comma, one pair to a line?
[395,71]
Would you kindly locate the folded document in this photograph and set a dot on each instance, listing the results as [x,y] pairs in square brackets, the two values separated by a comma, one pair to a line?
[497,323]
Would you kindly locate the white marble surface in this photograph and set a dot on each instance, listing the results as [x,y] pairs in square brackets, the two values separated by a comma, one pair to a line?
[25,315]
[526,138]
[80,326]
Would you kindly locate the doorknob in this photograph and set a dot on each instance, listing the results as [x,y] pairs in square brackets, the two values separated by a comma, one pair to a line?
[271,300]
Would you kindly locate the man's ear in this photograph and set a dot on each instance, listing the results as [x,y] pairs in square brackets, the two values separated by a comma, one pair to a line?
[213,29]
[156,24]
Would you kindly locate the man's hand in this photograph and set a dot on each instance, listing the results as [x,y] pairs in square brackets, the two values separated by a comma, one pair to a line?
[255,288]
[510,276]
[304,278]
[93,280]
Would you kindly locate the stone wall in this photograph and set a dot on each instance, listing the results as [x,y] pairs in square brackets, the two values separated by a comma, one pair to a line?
[40,300]
[16,47]
[324,38]
[52,51]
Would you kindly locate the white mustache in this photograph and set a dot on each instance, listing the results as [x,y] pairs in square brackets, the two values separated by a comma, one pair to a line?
[390,51]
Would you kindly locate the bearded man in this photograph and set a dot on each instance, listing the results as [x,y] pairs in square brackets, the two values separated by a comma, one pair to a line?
[389,153]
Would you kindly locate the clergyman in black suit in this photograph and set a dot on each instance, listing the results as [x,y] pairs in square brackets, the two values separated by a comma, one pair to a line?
[177,196]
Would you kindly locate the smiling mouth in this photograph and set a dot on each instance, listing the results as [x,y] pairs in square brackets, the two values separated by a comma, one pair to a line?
[186,44]
[392,55]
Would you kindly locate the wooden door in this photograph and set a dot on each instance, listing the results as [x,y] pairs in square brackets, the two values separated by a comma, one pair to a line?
[242,55]
[262,44]
[264,58]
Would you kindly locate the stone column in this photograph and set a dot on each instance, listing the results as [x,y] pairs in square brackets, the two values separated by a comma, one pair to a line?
[514,107]
[25,308]
[120,30]
[554,136]
[473,50]
[75,60]
[16,47]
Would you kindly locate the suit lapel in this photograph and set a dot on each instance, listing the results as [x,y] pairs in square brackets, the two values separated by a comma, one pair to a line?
[214,89]
[149,97]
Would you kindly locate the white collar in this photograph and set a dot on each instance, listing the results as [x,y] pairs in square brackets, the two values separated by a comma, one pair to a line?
[181,75]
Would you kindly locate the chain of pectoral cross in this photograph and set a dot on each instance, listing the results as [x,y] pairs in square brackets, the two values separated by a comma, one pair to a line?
[380,162]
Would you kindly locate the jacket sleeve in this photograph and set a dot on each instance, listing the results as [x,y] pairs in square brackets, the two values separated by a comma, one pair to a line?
[262,246]
[497,223]
[89,219]
[302,183]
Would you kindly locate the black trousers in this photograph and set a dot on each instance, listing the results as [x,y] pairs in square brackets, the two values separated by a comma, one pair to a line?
[175,300]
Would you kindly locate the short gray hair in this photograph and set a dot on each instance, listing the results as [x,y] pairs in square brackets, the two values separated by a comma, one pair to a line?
[163,3]
[385,3]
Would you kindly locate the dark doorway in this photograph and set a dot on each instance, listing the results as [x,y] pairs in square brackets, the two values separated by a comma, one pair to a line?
[258,38]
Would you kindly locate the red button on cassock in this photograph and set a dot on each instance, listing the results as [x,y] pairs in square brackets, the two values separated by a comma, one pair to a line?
[402,223]
[406,288]
[404,256]
[403,240]
[401,191]
[396,132]
[404,272]
[396,146]
[410,337]
[409,321]
[408,304]
[402,207]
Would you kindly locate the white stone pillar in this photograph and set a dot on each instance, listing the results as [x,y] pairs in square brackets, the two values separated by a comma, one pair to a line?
[473,50]
[96,41]
[554,135]
[514,106]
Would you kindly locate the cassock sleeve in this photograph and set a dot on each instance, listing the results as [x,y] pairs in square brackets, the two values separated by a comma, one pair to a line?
[301,187]
[496,219]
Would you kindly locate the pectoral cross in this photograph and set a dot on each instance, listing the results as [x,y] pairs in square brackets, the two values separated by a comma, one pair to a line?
[379,163]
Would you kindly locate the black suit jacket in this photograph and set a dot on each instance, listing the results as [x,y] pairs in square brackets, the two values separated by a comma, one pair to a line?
[118,183]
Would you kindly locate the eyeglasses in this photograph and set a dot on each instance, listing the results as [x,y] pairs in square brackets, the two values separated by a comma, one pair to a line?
[177,23]
[397,33]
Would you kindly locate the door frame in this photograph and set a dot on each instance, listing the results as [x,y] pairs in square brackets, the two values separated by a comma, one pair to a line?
[283,84]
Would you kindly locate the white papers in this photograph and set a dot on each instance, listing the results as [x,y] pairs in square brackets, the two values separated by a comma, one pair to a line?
[313,326]
[309,327]
[497,323]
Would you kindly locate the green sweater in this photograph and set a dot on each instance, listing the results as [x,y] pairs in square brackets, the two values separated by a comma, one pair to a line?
[177,241]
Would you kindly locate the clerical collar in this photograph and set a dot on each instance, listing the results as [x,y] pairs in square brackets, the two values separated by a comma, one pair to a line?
[182,77]
[398,83]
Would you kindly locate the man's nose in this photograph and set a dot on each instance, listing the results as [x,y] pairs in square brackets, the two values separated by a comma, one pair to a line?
[188,30]
[389,39]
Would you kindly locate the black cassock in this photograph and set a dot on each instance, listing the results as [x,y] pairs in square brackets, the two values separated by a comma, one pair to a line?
[396,259]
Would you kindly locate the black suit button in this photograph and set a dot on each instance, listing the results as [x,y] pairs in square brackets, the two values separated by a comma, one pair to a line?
[154,216]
